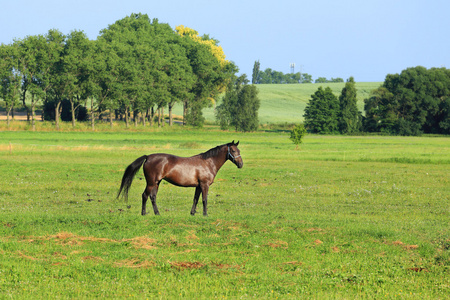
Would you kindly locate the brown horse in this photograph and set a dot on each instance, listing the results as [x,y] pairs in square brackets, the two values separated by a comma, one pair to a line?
[196,171]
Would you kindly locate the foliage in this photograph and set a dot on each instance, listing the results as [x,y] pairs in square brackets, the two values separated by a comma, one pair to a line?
[316,225]
[213,72]
[321,113]
[239,107]
[255,72]
[269,76]
[324,80]
[412,102]
[9,77]
[136,64]
[297,134]
[349,116]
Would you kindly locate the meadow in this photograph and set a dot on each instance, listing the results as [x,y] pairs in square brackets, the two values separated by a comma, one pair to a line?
[285,103]
[340,218]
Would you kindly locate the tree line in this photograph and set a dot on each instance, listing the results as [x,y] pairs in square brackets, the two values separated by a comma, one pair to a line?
[269,76]
[133,70]
[413,102]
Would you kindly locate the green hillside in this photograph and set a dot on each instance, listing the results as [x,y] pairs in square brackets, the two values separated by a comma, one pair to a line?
[286,102]
[282,103]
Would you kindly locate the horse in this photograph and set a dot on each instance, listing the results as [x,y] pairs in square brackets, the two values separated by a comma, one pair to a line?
[196,171]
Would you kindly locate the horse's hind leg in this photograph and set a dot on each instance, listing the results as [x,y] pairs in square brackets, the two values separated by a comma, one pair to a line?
[150,191]
[198,190]
[145,195]
[153,192]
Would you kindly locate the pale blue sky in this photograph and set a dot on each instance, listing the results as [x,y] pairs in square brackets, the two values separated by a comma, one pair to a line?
[365,39]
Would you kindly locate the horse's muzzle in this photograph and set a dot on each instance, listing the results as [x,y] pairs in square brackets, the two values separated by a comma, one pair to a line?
[240,164]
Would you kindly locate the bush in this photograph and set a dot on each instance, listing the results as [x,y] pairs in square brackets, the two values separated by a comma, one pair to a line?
[297,134]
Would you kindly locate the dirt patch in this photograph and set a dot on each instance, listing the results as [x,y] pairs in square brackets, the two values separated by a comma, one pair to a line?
[93,258]
[187,265]
[26,256]
[142,242]
[405,246]
[278,244]
[70,239]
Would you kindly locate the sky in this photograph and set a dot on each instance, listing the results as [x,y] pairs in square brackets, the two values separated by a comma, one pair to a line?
[324,38]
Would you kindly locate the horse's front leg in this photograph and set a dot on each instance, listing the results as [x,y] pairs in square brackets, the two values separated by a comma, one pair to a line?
[205,189]
[196,197]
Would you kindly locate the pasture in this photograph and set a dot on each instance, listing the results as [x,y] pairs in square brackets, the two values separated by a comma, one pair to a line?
[341,218]
[285,103]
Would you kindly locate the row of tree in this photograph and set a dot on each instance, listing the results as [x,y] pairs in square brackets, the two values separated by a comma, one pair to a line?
[326,113]
[269,76]
[410,103]
[135,67]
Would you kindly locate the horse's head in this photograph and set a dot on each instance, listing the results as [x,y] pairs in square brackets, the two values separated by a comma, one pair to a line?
[234,154]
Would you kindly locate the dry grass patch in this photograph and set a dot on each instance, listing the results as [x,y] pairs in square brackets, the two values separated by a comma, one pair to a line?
[135,263]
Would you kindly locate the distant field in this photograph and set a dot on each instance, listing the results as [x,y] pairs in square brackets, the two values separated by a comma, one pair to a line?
[282,103]
[286,102]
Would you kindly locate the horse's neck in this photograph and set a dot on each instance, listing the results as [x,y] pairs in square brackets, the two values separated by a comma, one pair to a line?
[219,159]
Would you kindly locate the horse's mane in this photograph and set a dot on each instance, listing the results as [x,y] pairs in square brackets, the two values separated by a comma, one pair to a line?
[211,152]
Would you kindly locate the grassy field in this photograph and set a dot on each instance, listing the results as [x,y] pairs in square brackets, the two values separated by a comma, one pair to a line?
[341,218]
[285,103]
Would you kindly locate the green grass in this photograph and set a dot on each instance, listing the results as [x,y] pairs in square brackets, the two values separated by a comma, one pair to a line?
[342,218]
[285,103]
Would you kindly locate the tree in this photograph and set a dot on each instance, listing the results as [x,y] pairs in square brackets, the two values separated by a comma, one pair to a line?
[255,73]
[380,111]
[306,78]
[321,80]
[49,77]
[410,103]
[321,113]
[297,134]
[10,77]
[349,117]
[211,72]
[269,76]
[78,63]
[240,105]
[30,66]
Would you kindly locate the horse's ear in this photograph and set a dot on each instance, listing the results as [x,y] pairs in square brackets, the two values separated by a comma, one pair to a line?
[232,143]
[237,143]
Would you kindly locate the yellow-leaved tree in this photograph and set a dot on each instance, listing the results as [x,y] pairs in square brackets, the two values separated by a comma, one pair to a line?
[215,49]
[209,87]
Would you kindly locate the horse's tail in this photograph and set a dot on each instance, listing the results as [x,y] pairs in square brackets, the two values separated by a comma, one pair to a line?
[129,174]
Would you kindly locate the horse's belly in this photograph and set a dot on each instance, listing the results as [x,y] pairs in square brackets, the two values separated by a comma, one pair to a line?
[186,178]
